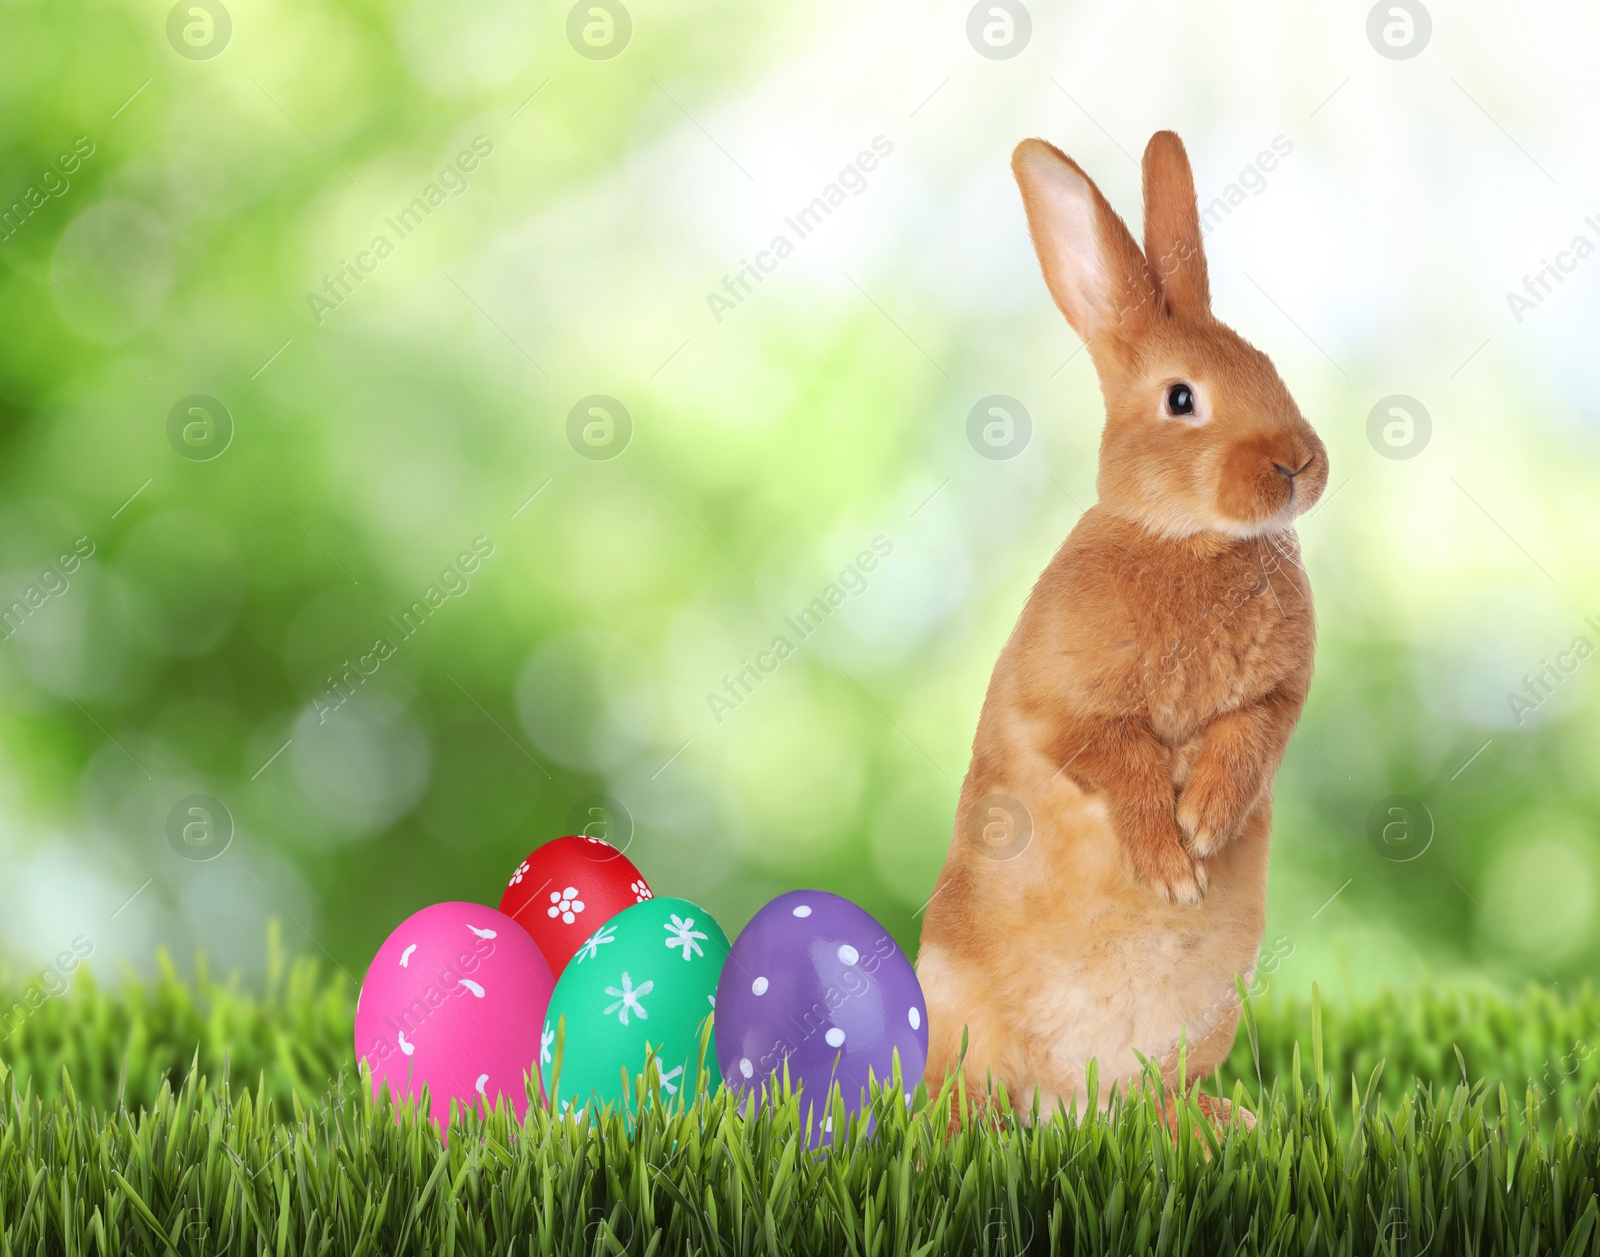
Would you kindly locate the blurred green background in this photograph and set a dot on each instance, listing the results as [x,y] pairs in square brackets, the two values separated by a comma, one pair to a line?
[174,209]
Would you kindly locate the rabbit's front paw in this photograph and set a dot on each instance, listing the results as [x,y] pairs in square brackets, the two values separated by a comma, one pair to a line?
[1159,861]
[1210,812]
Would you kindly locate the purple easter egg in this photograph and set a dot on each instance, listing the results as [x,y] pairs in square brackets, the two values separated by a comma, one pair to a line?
[816,982]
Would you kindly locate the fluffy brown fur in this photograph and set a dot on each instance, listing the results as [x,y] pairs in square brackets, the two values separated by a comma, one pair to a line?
[1107,878]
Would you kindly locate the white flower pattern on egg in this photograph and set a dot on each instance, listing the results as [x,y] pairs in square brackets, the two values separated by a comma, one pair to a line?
[566,904]
[681,933]
[591,946]
[641,892]
[628,999]
[518,875]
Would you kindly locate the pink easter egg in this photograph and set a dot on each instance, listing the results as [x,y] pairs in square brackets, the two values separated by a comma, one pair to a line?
[455,999]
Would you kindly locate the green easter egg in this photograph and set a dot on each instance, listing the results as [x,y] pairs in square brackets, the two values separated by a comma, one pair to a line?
[644,982]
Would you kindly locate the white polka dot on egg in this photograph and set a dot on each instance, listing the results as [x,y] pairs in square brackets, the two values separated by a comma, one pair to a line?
[746,1068]
[915,1018]
[802,909]
[759,986]
[849,954]
[835,1036]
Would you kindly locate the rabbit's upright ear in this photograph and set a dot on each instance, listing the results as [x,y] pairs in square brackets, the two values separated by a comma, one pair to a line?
[1172,242]
[1091,265]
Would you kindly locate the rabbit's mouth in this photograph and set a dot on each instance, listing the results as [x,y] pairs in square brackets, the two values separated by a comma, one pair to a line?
[1298,487]
[1266,482]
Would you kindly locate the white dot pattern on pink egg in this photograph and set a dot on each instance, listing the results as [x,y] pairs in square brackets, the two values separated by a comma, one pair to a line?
[455,1000]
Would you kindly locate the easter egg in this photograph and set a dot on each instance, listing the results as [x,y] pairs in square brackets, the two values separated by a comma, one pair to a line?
[454,999]
[816,982]
[567,889]
[644,982]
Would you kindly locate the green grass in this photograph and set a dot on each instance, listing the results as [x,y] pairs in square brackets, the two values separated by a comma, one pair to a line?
[294,1034]
[191,1117]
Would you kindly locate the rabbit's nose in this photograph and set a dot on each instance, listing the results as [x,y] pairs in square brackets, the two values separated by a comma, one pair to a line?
[1292,472]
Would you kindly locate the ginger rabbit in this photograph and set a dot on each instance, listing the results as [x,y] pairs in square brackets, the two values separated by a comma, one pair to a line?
[1107,877]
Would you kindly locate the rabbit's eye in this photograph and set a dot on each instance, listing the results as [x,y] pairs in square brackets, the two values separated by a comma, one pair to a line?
[1180,400]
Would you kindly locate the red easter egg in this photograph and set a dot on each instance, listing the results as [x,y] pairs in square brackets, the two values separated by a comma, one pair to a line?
[568,889]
